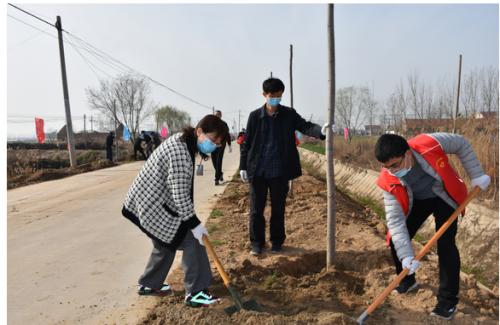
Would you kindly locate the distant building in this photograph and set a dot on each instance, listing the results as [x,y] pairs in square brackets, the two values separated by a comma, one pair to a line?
[478,121]
[486,115]
[373,129]
[87,137]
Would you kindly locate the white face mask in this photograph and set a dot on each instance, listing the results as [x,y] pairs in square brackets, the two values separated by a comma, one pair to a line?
[402,172]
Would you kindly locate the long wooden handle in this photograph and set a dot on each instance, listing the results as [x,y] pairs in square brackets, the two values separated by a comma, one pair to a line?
[218,264]
[422,252]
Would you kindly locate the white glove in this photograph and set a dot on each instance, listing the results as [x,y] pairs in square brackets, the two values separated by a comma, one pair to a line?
[244,175]
[325,127]
[198,233]
[482,182]
[410,263]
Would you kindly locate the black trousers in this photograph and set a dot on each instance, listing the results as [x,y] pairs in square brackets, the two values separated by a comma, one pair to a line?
[217,157]
[449,258]
[278,188]
[109,153]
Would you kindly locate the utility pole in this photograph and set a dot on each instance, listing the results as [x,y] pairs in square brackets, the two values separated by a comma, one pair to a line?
[91,124]
[115,122]
[84,123]
[213,110]
[271,74]
[291,76]
[69,124]
[455,116]
[290,183]
[330,174]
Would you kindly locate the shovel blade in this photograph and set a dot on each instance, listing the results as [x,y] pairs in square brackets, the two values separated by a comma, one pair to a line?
[247,305]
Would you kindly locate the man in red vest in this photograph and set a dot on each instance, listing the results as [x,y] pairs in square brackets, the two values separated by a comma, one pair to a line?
[417,181]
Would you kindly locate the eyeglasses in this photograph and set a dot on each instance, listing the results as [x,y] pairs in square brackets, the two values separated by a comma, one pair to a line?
[395,166]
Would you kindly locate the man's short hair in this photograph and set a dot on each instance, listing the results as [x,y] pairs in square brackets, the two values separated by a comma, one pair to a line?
[390,146]
[273,85]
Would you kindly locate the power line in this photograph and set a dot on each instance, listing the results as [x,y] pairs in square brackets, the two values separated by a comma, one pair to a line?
[23,22]
[89,47]
[32,15]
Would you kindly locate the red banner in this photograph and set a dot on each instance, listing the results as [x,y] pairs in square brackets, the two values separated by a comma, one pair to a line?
[346,135]
[40,134]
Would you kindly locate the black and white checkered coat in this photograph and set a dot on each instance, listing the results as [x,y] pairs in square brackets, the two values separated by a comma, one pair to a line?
[160,199]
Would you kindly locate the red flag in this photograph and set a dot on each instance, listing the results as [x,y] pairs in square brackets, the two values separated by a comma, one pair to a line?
[164,131]
[40,134]
[346,135]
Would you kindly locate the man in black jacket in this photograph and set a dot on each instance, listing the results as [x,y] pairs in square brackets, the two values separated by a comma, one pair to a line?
[269,159]
[218,154]
[109,145]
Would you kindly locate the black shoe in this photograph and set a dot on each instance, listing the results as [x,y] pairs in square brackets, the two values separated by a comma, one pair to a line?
[222,179]
[256,250]
[216,183]
[276,248]
[201,298]
[407,286]
[147,291]
[444,311]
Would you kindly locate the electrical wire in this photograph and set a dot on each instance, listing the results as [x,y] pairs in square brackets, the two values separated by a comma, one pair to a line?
[93,50]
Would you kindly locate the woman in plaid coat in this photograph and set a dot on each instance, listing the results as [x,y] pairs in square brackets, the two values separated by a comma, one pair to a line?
[160,203]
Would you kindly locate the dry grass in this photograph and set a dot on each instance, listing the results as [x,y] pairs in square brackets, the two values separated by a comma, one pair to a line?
[484,141]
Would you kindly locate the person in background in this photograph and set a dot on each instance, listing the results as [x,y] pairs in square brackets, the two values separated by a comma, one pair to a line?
[138,144]
[160,202]
[109,145]
[218,154]
[417,181]
[269,159]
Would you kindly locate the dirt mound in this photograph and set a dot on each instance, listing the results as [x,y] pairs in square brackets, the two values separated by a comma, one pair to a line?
[294,286]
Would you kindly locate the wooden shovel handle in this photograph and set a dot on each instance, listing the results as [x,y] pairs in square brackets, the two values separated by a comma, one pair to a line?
[218,264]
[423,251]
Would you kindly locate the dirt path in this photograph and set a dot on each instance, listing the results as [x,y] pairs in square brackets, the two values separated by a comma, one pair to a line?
[72,258]
[294,286]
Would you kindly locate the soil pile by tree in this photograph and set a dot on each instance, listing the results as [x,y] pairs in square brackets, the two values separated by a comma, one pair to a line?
[294,286]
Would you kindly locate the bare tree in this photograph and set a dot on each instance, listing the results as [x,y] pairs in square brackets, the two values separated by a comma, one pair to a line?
[175,118]
[469,93]
[124,99]
[367,104]
[350,107]
[445,98]
[489,89]
[415,95]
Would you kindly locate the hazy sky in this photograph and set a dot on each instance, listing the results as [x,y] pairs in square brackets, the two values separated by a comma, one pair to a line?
[220,54]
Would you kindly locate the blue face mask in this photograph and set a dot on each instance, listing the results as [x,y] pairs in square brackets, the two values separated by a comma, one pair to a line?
[402,172]
[207,146]
[274,101]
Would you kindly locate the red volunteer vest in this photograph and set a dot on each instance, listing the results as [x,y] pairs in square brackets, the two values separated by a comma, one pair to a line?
[433,153]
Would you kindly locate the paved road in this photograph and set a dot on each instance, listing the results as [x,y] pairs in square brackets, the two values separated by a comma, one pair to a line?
[72,258]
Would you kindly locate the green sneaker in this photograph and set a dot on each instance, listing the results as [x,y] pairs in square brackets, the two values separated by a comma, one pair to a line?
[200,299]
[147,291]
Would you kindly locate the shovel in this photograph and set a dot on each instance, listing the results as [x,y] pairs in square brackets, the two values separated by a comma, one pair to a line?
[238,304]
[378,301]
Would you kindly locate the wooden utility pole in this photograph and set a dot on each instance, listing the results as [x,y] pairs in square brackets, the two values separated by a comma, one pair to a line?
[69,124]
[115,122]
[330,175]
[455,116]
[291,104]
[291,75]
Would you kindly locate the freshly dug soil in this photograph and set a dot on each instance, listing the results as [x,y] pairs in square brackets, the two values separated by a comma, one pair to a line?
[294,286]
